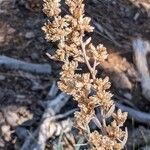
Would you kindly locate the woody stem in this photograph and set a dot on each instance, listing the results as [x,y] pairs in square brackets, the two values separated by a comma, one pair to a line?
[86,60]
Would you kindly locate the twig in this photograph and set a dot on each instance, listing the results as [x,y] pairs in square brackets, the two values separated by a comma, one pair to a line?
[11,63]
[61,116]
[86,58]
[48,126]
[138,116]
[141,49]
[53,91]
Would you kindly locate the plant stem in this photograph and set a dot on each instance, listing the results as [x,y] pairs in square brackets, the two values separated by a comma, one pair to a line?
[86,60]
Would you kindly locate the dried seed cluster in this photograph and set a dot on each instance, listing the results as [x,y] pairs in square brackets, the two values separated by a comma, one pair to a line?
[90,92]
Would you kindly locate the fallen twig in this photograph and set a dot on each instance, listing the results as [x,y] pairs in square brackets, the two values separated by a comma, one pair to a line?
[11,63]
[48,126]
[141,49]
[53,91]
[138,116]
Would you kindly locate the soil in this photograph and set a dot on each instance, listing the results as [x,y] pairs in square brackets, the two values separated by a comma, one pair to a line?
[21,38]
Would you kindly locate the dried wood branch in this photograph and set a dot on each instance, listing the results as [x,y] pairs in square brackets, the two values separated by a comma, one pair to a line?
[11,63]
[53,91]
[141,49]
[138,116]
[49,126]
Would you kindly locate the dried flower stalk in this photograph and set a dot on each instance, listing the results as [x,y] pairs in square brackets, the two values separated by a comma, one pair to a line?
[89,91]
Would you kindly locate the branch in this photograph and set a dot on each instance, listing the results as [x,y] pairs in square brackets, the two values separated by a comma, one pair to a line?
[138,116]
[11,63]
[86,58]
[49,126]
[141,49]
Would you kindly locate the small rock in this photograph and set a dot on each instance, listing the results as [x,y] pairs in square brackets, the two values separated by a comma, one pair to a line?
[5,128]
[2,143]
[6,132]
[1,1]
[114,2]
[2,39]
[29,35]
[34,56]
[41,39]
[11,118]
[2,77]
[128,96]
[11,31]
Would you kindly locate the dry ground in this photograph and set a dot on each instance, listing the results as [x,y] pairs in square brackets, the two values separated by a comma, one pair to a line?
[117,23]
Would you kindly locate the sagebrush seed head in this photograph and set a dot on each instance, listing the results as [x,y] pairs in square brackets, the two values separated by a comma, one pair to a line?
[91,93]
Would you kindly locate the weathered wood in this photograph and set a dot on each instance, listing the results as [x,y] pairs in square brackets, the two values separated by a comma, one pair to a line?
[138,116]
[14,64]
[141,49]
[48,126]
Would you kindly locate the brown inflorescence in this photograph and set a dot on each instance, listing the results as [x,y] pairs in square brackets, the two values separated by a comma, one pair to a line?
[87,89]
